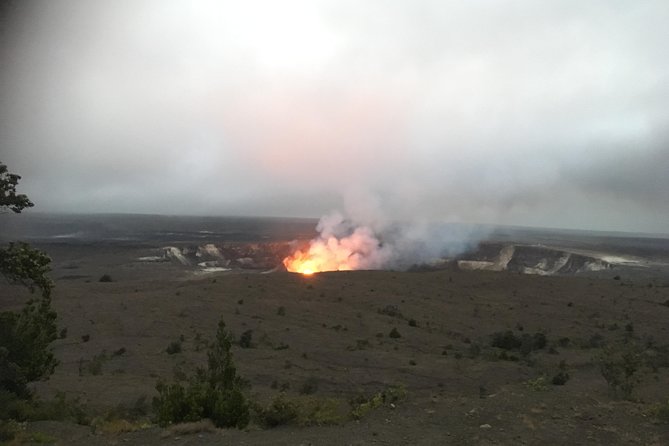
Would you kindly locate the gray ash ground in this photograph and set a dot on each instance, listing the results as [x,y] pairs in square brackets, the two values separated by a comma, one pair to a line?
[334,332]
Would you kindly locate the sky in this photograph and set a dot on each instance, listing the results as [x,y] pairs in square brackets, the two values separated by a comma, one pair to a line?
[550,113]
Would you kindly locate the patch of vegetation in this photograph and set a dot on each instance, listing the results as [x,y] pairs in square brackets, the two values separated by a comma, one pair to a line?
[621,366]
[413,323]
[394,334]
[361,406]
[321,412]
[281,311]
[525,343]
[173,348]
[124,418]
[105,278]
[391,310]
[560,379]
[302,411]
[58,409]
[505,340]
[245,339]
[94,366]
[216,392]
[539,384]
[279,412]
[25,335]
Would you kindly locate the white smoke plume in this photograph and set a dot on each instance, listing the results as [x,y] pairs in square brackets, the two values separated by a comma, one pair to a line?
[365,240]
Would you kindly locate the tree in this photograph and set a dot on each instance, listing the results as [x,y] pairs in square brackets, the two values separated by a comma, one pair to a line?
[9,199]
[25,336]
[215,392]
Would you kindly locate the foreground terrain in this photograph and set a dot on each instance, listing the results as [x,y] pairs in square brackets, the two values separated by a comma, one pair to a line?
[328,336]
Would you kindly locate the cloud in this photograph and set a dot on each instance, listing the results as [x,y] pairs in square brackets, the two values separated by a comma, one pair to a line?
[509,112]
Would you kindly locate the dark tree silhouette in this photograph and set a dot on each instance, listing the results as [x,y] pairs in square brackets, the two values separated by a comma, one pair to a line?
[25,336]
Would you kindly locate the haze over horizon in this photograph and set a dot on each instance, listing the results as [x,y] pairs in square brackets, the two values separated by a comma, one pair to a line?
[548,114]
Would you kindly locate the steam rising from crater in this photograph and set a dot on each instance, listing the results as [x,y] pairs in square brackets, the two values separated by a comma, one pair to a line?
[365,239]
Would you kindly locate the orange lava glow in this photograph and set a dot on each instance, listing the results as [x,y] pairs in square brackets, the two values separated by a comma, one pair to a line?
[358,250]
[316,260]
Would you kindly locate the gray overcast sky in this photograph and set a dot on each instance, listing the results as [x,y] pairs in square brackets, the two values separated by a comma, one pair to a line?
[548,113]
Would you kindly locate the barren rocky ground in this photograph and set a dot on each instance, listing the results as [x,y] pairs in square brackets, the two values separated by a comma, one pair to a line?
[328,337]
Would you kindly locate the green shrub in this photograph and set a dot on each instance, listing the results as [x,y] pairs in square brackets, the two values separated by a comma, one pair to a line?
[25,355]
[321,411]
[279,412]
[215,392]
[362,409]
[538,384]
[621,365]
[25,335]
[59,409]
[303,411]
[361,406]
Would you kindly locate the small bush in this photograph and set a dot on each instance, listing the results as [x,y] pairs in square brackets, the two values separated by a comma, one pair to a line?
[94,366]
[362,406]
[620,365]
[58,409]
[303,411]
[390,310]
[105,278]
[173,348]
[279,412]
[560,379]
[215,392]
[538,384]
[281,311]
[394,334]
[506,340]
[525,343]
[413,323]
[321,412]
[362,409]
[245,339]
